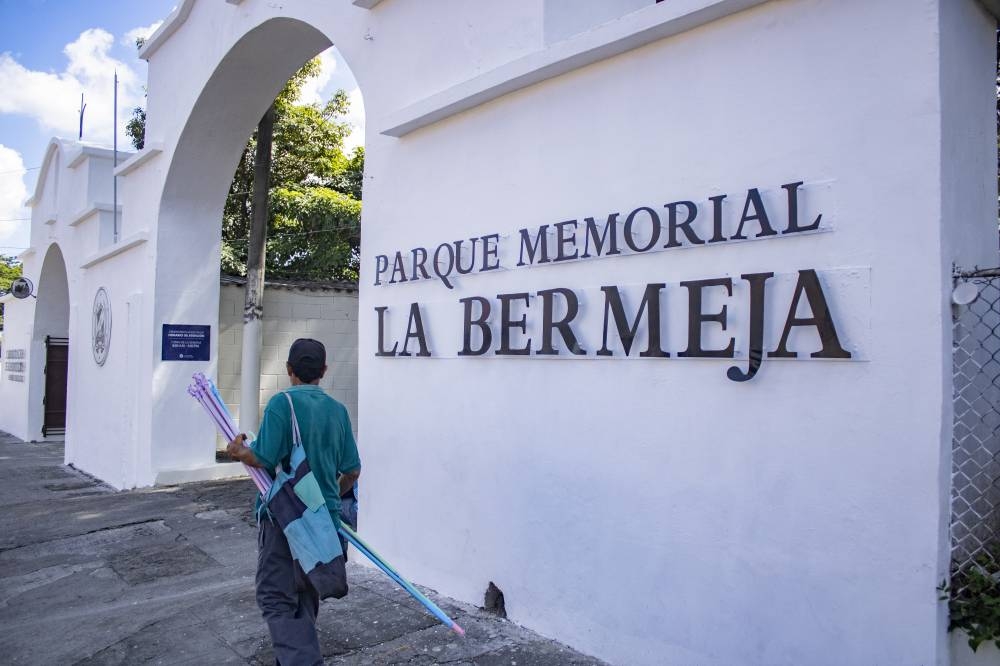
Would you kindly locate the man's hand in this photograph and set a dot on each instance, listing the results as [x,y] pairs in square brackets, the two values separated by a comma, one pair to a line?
[347,480]
[237,450]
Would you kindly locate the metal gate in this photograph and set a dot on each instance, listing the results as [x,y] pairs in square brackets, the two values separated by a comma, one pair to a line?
[975,494]
[56,369]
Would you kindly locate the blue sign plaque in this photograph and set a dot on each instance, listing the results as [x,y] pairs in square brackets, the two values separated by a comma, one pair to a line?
[186,342]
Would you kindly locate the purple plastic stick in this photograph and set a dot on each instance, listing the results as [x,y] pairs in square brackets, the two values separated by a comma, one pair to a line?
[202,391]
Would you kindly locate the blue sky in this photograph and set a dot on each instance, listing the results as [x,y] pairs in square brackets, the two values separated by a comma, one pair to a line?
[51,51]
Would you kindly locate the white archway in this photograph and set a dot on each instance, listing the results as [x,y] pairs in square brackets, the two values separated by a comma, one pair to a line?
[236,95]
[51,323]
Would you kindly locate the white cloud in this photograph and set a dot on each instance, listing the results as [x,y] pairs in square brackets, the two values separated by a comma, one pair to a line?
[356,118]
[312,89]
[53,99]
[318,89]
[13,231]
[128,39]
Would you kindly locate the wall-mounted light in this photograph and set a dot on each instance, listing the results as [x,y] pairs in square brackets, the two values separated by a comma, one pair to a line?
[965,293]
[22,287]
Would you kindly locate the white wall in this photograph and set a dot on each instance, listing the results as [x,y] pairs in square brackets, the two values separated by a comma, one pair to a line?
[73,179]
[325,315]
[18,316]
[962,655]
[655,512]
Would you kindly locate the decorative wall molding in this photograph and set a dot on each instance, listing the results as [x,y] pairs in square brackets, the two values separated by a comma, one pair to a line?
[84,152]
[89,212]
[605,41]
[121,246]
[138,159]
[170,25]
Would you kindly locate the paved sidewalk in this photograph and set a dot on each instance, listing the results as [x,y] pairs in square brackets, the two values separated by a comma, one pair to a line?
[165,576]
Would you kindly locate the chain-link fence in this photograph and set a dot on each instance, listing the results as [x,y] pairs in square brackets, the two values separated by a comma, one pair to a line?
[975,495]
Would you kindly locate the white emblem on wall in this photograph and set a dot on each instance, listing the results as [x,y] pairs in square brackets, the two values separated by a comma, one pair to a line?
[102,326]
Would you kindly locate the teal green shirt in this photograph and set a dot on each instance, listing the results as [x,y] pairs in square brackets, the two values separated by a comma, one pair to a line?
[326,435]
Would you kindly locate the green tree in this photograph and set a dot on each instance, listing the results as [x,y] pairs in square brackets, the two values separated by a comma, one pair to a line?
[315,233]
[135,128]
[10,270]
[350,175]
[315,190]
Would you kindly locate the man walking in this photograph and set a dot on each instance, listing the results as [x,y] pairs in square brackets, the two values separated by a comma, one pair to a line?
[288,601]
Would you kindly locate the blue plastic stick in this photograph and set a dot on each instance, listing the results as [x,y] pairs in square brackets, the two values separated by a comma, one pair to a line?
[393,574]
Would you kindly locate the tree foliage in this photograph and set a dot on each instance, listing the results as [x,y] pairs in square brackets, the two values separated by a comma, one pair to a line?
[10,270]
[135,128]
[315,190]
[313,227]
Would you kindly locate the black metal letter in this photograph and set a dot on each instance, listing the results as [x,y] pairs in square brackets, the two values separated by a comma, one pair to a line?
[418,264]
[759,214]
[490,250]
[472,257]
[609,236]
[757,291]
[717,235]
[654,221]
[821,319]
[415,329]
[437,263]
[397,267]
[685,226]
[793,210]
[481,322]
[506,324]
[549,325]
[696,318]
[381,332]
[541,240]
[626,331]
[381,266]
[563,240]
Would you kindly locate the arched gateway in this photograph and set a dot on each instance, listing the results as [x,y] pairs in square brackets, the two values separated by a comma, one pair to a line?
[654,330]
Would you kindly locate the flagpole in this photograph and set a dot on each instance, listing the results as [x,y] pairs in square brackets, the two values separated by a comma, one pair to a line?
[83,107]
[114,177]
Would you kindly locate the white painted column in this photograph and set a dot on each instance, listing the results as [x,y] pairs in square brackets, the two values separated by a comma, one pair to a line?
[250,376]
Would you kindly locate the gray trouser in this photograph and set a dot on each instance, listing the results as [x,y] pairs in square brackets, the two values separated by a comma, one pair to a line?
[287,600]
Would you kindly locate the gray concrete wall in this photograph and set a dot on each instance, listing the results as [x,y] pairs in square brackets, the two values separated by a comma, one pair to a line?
[328,316]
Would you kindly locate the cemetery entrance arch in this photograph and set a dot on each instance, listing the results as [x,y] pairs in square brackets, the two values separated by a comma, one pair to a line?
[50,344]
[208,147]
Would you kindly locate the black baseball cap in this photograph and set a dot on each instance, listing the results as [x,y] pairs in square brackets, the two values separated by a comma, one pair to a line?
[307,358]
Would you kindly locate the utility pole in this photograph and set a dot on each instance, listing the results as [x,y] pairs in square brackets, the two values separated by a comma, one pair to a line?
[253,305]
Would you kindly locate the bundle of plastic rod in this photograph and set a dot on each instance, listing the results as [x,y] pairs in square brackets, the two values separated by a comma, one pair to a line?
[203,390]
